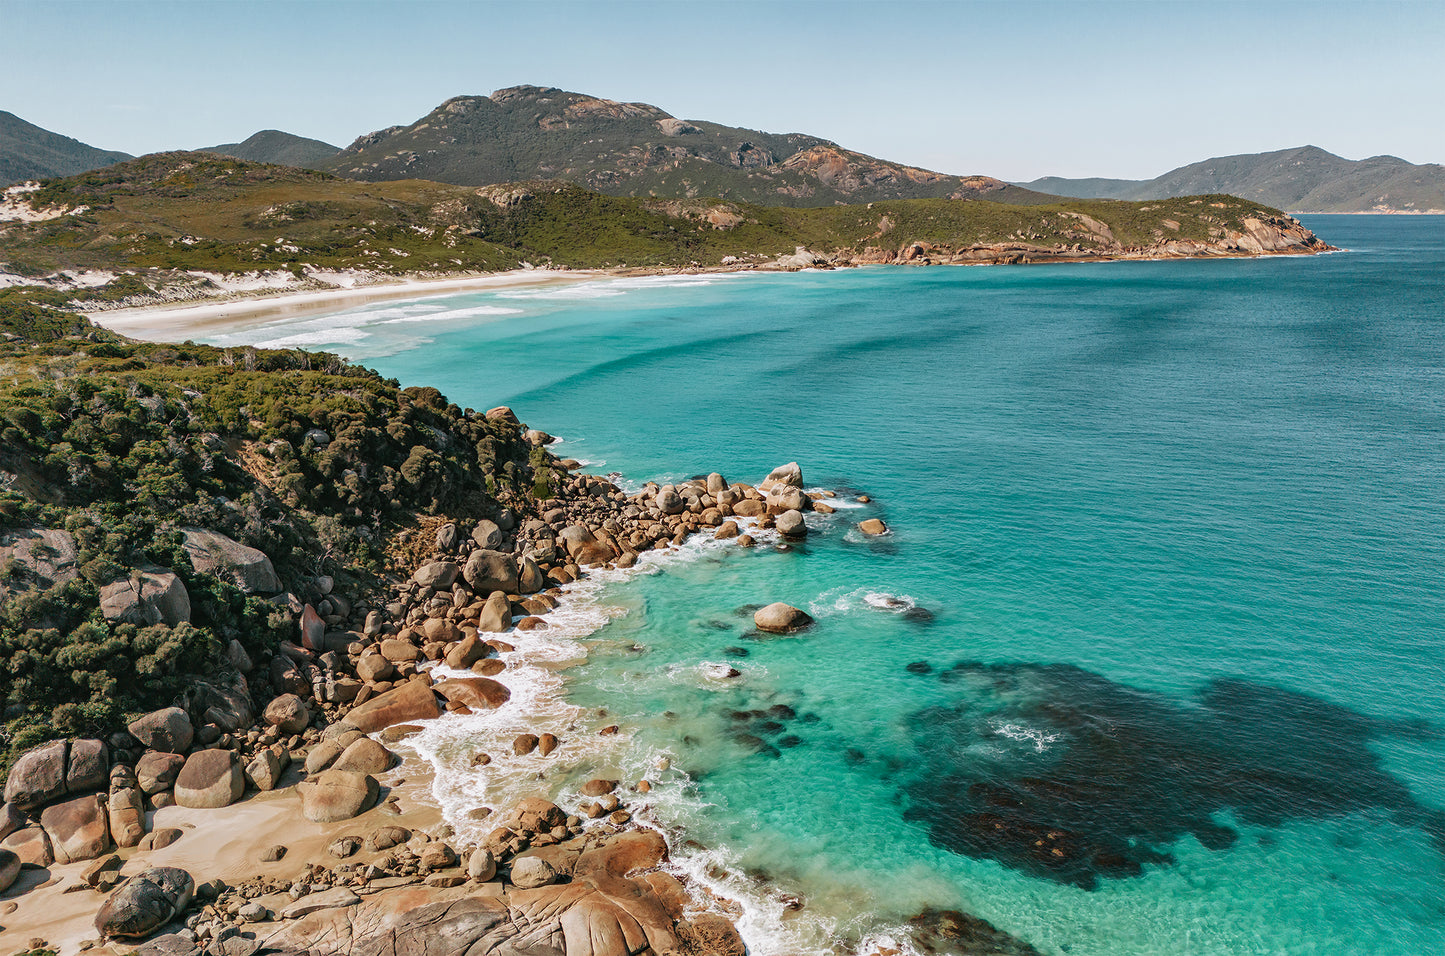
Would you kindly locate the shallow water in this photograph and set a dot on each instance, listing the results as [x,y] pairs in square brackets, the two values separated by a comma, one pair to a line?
[1178,530]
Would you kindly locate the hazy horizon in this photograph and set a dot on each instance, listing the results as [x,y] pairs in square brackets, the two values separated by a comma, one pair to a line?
[1017,91]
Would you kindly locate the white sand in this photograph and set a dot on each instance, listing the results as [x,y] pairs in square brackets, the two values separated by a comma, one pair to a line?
[179,322]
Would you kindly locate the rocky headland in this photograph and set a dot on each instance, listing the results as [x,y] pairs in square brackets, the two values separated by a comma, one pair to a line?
[272,807]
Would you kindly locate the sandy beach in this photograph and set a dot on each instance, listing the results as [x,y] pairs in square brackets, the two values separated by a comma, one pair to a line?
[175,322]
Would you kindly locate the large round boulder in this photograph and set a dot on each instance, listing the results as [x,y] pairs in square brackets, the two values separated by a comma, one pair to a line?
[157,771]
[288,713]
[79,829]
[475,693]
[144,903]
[31,845]
[38,776]
[412,701]
[365,756]
[467,652]
[88,767]
[209,780]
[790,524]
[530,872]
[668,501]
[489,571]
[780,618]
[337,795]
[167,729]
[10,869]
[487,534]
[437,574]
[496,614]
[873,526]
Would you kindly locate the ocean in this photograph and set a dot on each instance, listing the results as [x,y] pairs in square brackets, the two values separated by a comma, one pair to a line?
[1152,660]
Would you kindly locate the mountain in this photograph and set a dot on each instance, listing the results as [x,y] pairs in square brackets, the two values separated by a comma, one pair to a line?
[1305,179]
[275,146]
[29,152]
[633,149]
[179,222]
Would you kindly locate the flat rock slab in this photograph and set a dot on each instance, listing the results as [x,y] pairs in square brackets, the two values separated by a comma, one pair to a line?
[326,900]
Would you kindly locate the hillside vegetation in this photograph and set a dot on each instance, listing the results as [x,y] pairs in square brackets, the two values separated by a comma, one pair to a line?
[29,152]
[1305,179]
[633,149]
[168,215]
[116,446]
[276,146]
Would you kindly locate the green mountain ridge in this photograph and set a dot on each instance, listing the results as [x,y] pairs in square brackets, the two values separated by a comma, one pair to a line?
[1304,179]
[29,152]
[634,149]
[277,146]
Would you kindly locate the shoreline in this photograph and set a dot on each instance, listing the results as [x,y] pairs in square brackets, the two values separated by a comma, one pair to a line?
[236,312]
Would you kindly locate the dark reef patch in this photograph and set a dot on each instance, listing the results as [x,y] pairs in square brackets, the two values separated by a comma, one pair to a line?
[1065,774]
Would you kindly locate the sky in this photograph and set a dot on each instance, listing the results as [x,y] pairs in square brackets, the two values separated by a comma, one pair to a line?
[1015,90]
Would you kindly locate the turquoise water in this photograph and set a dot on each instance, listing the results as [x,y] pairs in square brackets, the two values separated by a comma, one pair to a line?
[1177,528]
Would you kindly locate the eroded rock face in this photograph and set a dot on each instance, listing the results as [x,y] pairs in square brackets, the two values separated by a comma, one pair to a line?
[144,903]
[227,704]
[247,568]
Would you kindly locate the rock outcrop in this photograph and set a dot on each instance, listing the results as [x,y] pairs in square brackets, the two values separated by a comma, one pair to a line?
[247,568]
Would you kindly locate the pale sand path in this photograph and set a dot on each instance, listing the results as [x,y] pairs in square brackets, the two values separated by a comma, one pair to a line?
[175,323]
[222,843]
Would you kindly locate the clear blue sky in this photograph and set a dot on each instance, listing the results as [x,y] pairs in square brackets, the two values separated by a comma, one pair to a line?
[1016,90]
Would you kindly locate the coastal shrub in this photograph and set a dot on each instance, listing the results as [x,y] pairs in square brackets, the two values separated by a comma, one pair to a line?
[124,443]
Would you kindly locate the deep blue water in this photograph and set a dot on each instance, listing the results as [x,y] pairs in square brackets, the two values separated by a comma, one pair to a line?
[1179,528]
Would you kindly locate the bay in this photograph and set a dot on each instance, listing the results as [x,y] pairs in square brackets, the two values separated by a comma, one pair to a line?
[1177,531]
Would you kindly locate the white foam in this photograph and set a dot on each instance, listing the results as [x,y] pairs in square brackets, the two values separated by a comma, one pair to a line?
[453,314]
[1039,738]
[841,600]
[342,336]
